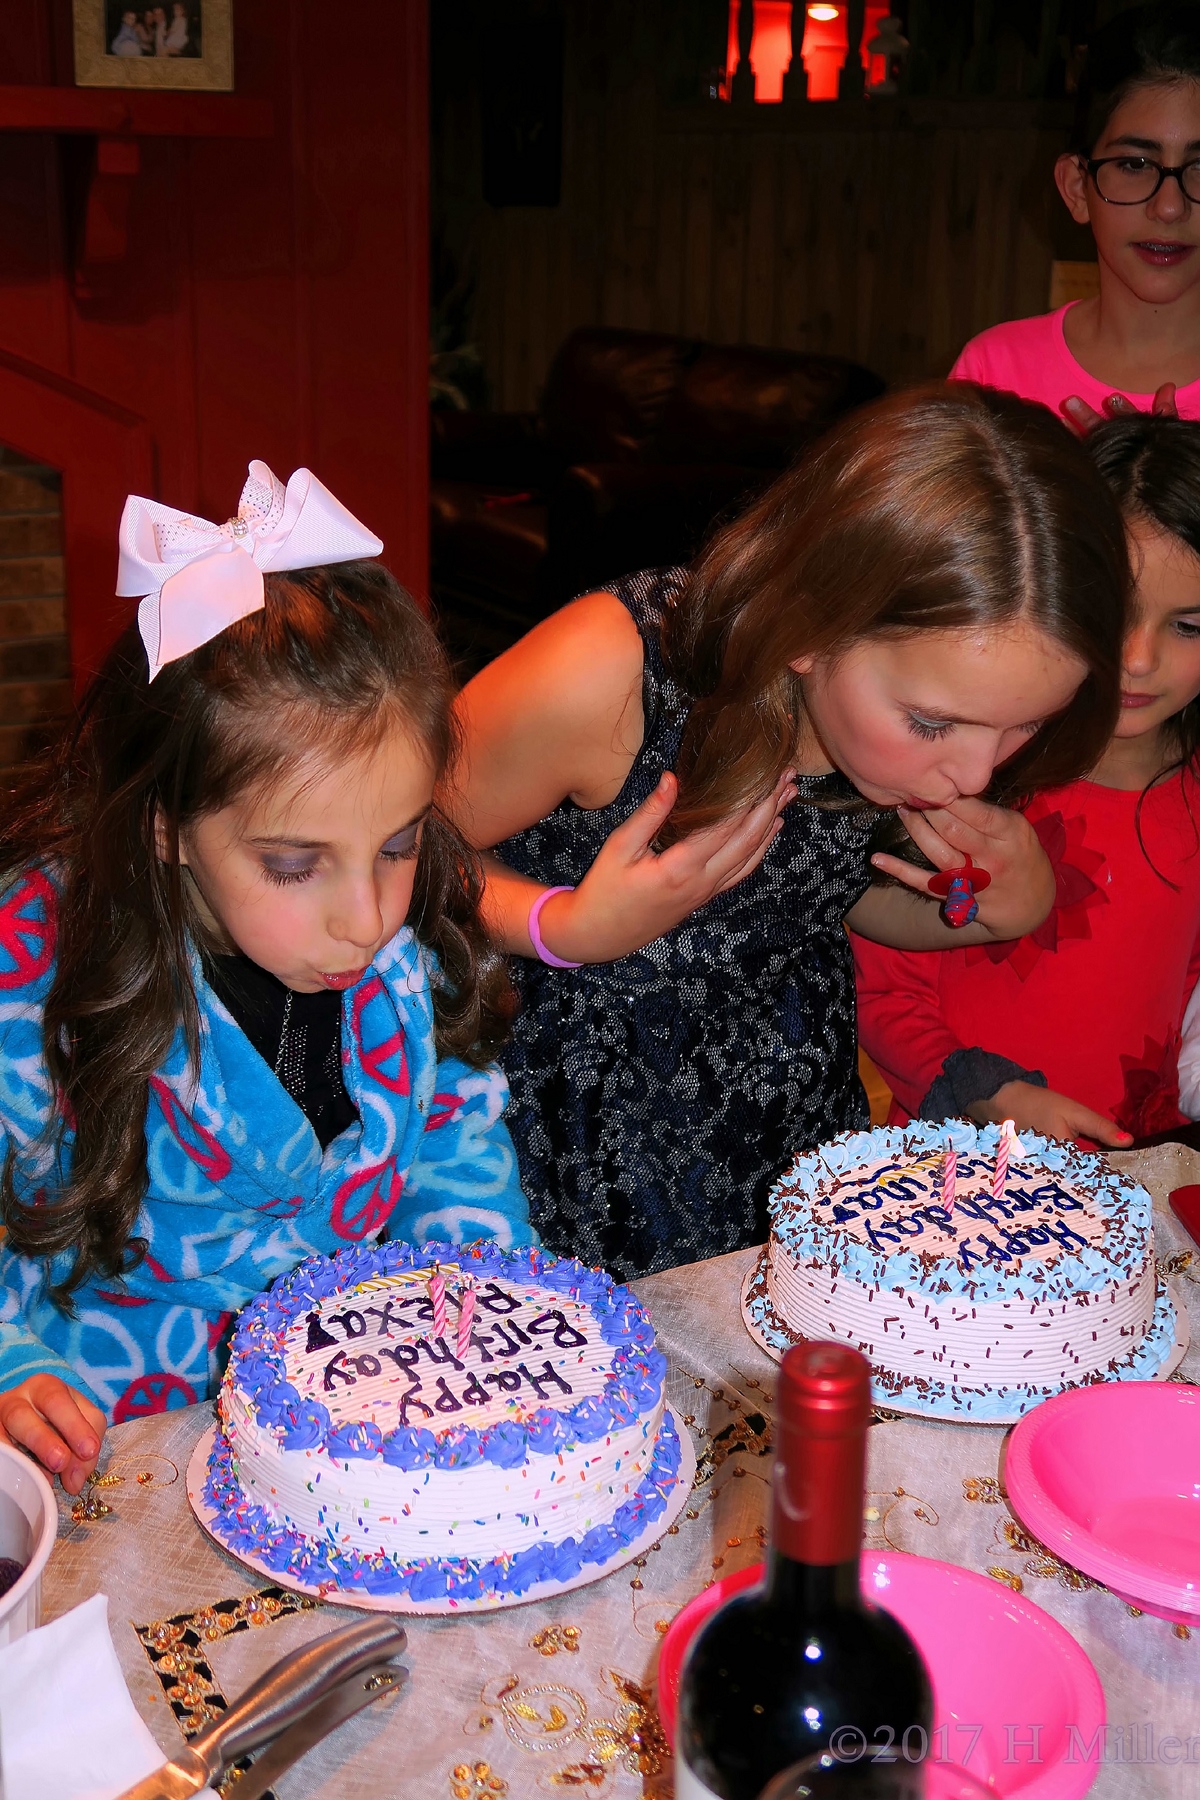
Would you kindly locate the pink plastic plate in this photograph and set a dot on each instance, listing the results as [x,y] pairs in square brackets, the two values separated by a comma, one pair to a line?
[1108,1477]
[1000,1667]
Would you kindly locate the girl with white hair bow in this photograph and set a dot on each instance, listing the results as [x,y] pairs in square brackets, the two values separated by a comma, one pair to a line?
[224,1044]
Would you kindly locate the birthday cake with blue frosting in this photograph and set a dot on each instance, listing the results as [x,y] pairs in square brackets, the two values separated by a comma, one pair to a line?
[440,1423]
[977,1280]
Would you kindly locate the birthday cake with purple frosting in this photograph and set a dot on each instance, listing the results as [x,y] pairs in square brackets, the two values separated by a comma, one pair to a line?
[978,1274]
[442,1423]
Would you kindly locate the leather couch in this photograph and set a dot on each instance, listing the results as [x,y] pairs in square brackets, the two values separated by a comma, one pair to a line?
[641,442]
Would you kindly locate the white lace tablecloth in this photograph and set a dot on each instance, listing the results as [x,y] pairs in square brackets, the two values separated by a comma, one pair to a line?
[555,1697]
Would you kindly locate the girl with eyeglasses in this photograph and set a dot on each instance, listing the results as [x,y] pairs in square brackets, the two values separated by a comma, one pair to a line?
[1133,175]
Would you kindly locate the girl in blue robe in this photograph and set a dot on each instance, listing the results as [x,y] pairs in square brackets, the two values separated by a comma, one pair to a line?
[247,1010]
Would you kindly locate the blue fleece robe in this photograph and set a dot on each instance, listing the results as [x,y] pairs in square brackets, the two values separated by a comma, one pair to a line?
[239,1189]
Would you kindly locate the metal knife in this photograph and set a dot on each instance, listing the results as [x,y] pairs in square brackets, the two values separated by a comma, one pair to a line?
[278,1700]
[357,1692]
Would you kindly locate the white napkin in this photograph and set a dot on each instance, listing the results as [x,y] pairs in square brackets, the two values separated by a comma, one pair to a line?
[68,1729]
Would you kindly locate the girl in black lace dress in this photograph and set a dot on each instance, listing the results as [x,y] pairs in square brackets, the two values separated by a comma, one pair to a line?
[698,759]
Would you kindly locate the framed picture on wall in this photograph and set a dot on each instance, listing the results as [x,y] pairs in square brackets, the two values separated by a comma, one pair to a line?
[183,44]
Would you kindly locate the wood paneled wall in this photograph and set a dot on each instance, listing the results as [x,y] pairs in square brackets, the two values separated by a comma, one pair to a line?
[888,231]
[273,301]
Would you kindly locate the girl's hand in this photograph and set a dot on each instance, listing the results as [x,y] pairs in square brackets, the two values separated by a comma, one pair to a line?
[54,1423]
[632,894]
[1033,1108]
[1085,418]
[1002,842]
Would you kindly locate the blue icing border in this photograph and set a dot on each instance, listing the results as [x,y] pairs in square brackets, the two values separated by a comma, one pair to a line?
[247,1529]
[1125,1207]
[634,1381]
[1000,1406]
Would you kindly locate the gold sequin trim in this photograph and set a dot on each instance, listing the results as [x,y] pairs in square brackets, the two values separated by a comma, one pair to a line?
[554,1638]
[176,1649]
[473,1781]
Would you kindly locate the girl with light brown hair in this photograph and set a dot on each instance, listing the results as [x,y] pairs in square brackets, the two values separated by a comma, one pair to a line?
[679,784]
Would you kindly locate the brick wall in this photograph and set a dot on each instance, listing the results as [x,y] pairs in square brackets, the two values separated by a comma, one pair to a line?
[35,687]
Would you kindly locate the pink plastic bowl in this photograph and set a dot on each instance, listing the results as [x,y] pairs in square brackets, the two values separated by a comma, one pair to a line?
[1108,1477]
[999,1665]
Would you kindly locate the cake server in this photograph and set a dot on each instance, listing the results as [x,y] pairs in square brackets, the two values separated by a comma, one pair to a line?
[284,1697]
[355,1693]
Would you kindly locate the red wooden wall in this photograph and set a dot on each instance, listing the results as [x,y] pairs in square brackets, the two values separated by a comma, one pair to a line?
[273,301]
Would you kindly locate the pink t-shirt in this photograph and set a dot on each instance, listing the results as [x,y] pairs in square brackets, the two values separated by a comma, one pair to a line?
[1030,357]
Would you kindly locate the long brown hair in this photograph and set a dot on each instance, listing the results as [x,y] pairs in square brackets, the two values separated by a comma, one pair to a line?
[946,507]
[337,658]
[1152,465]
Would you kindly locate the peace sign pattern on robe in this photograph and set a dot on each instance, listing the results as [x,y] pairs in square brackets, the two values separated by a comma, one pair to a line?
[239,1190]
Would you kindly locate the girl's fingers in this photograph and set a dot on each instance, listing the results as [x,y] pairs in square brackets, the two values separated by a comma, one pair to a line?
[927,838]
[750,839]
[25,1427]
[1164,401]
[635,836]
[751,863]
[979,814]
[968,820]
[75,1474]
[723,846]
[1078,413]
[916,879]
[1118,407]
[63,1409]
[1086,1123]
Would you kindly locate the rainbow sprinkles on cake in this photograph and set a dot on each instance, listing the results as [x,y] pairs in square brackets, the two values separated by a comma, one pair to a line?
[442,1423]
[979,1273]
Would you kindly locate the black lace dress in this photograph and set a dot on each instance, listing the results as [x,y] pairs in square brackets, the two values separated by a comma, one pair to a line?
[655,1099]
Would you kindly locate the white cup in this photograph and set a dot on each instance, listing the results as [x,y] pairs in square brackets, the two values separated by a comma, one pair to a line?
[28,1528]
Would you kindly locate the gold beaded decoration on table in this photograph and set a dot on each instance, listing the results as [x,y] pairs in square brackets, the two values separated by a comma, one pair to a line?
[553,1638]
[543,1718]
[473,1781]
[1179,1262]
[878,1511]
[983,1488]
[177,1654]
[89,1507]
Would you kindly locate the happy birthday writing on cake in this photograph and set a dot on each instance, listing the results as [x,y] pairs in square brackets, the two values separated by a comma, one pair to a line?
[1026,1220]
[363,1342]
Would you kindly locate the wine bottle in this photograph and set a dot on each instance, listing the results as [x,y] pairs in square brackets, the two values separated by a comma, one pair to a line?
[801,1664]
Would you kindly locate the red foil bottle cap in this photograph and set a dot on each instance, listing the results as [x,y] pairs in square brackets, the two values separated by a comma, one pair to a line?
[824,1406]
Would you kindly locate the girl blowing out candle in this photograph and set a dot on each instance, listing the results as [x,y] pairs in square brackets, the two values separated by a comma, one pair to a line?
[677,783]
[1073,1030]
[225,1046]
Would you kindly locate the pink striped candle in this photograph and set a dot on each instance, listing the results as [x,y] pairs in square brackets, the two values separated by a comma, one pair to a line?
[1000,1178]
[437,1293]
[949,1179]
[466,1313]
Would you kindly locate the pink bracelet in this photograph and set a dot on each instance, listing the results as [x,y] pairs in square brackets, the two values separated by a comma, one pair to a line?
[535,936]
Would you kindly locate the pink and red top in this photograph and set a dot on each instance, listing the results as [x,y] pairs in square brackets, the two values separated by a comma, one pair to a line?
[1030,357]
[1094,998]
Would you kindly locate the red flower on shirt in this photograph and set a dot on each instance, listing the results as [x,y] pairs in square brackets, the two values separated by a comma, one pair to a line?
[1076,893]
[1151,1101]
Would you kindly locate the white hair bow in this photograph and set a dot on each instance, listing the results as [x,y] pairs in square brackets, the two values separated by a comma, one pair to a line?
[195,578]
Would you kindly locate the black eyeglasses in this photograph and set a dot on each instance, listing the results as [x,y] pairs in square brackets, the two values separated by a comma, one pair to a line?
[1132,180]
